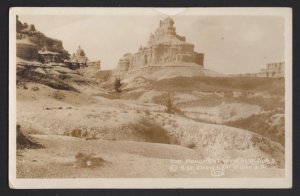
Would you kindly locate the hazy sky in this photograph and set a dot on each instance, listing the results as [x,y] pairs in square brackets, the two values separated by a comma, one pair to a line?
[231,44]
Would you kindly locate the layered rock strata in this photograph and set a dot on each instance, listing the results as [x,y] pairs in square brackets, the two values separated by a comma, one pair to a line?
[164,48]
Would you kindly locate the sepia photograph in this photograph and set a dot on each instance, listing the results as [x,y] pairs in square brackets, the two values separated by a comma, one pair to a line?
[150,97]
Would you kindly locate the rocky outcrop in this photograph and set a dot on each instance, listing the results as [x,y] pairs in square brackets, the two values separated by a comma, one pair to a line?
[164,47]
[30,41]
[27,50]
[80,60]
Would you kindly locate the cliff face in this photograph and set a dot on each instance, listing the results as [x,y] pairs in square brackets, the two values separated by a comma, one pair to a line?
[164,47]
[29,41]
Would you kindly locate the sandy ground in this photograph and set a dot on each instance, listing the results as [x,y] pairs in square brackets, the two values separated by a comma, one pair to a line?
[123,159]
[112,132]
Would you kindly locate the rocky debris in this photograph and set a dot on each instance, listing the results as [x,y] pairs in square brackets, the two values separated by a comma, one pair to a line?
[57,108]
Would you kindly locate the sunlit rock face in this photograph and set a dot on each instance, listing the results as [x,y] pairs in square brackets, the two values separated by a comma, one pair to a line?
[164,48]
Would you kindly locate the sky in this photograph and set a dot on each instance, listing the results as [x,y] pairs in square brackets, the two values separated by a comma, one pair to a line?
[231,44]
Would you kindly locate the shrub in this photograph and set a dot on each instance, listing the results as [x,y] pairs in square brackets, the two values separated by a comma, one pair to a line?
[170,107]
[58,95]
[191,145]
[151,132]
[35,88]
[83,160]
[117,85]
[76,133]
[147,112]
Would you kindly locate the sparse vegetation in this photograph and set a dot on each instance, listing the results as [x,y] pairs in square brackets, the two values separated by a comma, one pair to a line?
[259,124]
[156,125]
[89,133]
[83,160]
[169,105]
[117,85]
[191,145]
[77,132]
[35,88]
[151,132]
[58,95]
[28,74]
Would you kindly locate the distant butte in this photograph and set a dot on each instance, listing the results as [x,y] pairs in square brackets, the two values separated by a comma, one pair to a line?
[164,48]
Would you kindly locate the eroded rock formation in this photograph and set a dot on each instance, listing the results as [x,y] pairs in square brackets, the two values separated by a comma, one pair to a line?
[80,60]
[30,41]
[164,47]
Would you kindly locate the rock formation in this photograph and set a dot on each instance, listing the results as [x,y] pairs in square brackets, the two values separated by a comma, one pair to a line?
[164,48]
[272,70]
[80,60]
[30,41]
[79,57]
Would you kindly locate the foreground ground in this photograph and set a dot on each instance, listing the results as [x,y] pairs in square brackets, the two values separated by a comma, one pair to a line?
[134,135]
[122,159]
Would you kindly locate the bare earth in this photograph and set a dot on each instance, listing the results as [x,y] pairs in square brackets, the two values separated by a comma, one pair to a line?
[136,137]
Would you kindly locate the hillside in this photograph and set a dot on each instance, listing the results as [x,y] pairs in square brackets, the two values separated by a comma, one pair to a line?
[243,84]
[76,113]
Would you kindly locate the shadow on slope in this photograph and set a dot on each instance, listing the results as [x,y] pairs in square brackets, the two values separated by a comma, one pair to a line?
[272,85]
[149,131]
[25,141]
[30,75]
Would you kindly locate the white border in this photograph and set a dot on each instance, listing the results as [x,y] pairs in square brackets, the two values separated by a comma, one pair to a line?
[285,182]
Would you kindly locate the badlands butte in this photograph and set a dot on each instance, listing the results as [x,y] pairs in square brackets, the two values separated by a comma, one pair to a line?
[158,109]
